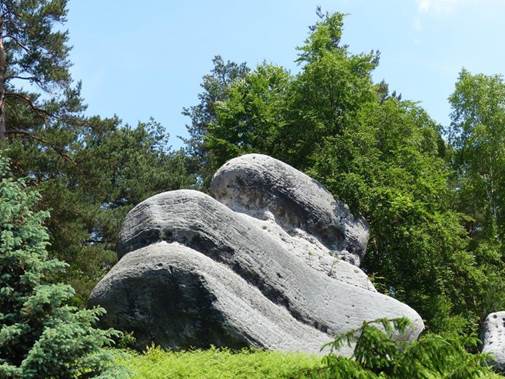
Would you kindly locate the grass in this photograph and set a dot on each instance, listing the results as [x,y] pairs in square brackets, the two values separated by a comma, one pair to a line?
[213,363]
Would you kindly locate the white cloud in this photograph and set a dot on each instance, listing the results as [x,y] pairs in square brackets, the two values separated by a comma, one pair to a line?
[449,6]
[417,24]
[438,6]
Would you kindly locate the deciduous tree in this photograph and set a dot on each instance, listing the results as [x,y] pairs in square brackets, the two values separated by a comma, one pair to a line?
[477,134]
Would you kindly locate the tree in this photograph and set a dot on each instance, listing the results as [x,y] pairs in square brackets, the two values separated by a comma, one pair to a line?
[110,167]
[41,334]
[89,170]
[383,156]
[250,119]
[288,116]
[215,86]
[33,50]
[333,84]
[477,141]
[390,168]
[477,135]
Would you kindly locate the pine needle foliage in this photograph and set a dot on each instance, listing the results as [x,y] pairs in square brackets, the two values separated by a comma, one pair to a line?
[41,334]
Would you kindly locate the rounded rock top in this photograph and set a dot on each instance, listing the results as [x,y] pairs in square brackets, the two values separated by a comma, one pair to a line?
[257,183]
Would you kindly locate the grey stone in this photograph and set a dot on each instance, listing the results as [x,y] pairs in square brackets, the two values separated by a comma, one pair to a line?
[255,270]
[493,338]
[176,297]
[257,184]
[198,221]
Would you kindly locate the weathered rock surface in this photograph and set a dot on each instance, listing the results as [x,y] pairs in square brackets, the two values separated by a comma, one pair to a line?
[174,296]
[261,185]
[198,221]
[493,338]
[260,268]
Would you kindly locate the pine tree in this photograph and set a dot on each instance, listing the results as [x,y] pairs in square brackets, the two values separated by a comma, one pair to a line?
[89,171]
[34,50]
[41,334]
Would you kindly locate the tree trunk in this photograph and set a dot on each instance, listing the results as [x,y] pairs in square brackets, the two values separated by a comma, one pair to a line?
[3,69]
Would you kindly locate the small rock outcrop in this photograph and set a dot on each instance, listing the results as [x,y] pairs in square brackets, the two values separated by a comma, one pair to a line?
[271,261]
[493,338]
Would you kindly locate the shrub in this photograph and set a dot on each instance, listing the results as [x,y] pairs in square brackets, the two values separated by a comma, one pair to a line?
[377,355]
[41,334]
[214,363]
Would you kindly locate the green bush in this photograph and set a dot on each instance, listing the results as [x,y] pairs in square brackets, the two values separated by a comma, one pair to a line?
[377,355]
[214,363]
[41,334]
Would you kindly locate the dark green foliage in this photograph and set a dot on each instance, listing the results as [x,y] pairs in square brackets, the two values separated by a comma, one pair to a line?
[331,88]
[89,171]
[477,140]
[41,334]
[35,49]
[390,169]
[376,355]
[436,210]
[383,156]
[251,117]
[286,116]
[216,87]
[108,168]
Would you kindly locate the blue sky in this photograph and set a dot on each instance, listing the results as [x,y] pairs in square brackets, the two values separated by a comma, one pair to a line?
[146,59]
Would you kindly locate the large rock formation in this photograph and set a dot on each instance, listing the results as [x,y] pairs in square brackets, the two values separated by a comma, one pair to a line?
[271,263]
[493,338]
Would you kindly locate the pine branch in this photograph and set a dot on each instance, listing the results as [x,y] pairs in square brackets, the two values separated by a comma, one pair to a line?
[30,103]
[17,42]
[31,78]
[57,149]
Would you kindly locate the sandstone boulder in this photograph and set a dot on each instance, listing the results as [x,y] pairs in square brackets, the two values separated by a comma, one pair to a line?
[493,338]
[260,267]
[173,296]
[198,221]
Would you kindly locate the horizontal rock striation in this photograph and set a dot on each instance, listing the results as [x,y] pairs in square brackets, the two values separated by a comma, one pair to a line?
[258,184]
[198,221]
[176,297]
[260,267]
